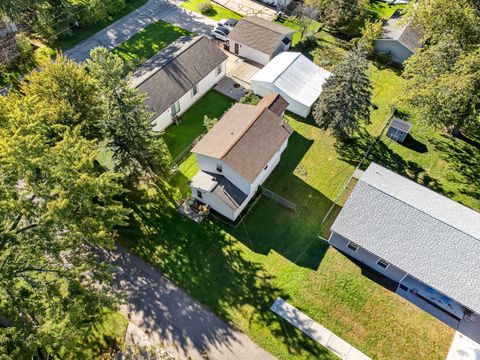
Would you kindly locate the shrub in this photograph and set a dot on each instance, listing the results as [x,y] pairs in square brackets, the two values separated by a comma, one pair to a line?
[250,98]
[205,7]
[209,122]
[24,47]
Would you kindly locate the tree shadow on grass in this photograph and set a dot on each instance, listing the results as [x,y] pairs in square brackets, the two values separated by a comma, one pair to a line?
[464,157]
[353,150]
[210,266]
[269,226]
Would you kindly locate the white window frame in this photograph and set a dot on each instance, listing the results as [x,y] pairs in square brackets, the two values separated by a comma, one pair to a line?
[175,108]
[199,194]
[219,69]
[194,90]
[355,246]
[387,264]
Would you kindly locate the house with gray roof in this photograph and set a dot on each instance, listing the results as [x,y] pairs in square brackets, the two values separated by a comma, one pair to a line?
[399,40]
[175,78]
[426,243]
[259,40]
[238,154]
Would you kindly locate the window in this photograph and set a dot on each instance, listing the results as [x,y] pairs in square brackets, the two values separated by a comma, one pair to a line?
[403,287]
[352,246]
[175,108]
[219,69]
[265,168]
[219,167]
[199,194]
[382,263]
[194,90]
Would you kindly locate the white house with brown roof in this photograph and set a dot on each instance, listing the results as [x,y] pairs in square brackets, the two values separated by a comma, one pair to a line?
[178,76]
[259,40]
[238,154]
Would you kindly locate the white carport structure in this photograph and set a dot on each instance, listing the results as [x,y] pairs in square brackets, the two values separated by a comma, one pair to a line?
[295,78]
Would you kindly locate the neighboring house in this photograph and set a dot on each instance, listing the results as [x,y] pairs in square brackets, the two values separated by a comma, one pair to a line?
[426,243]
[398,129]
[9,53]
[258,39]
[293,76]
[400,41]
[238,154]
[178,76]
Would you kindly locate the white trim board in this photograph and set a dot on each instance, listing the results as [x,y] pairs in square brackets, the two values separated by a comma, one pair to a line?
[316,331]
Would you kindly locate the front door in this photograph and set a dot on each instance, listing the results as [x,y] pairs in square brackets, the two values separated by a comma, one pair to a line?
[237,48]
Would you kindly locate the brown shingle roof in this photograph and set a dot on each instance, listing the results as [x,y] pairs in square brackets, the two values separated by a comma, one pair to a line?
[274,102]
[247,137]
[259,34]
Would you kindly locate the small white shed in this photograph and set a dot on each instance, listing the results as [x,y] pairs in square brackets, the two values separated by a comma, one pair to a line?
[398,129]
[295,78]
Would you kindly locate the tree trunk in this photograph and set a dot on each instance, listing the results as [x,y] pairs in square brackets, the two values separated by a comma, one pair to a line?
[456,130]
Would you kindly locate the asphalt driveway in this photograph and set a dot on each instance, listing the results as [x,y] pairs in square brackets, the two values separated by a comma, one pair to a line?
[159,311]
[124,28]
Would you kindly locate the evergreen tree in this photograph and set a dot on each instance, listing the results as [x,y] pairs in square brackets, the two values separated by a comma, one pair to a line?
[345,100]
[136,148]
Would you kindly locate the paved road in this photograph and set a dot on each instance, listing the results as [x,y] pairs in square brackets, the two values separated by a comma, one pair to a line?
[159,311]
[124,28]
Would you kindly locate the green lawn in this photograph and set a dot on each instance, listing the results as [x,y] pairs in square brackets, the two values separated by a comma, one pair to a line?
[382,10]
[293,24]
[219,12]
[239,272]
[148,41]
[80,34]
[213,104]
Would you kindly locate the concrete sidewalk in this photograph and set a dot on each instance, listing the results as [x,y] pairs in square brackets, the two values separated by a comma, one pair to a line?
[160,312]
[124,28]
[316,331]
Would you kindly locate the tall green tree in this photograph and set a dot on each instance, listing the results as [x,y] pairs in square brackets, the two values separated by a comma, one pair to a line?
[344,103]
[66,95]
[126,119]
[443,86]
[56,207]
[339,15]
[458,20]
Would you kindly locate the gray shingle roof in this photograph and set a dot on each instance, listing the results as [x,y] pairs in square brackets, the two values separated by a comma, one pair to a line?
[259,34]
[431,237]
[408,35]
[401,125]
[219,185]
[170,74]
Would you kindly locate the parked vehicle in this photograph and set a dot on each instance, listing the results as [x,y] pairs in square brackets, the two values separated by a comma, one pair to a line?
[220,33]
[228,23]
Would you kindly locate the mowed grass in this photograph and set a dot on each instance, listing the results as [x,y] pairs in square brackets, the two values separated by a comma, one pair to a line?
[148,41]
[293,24]
[238,273]
[79,34]
[382,10]
[218,12]
[213,104]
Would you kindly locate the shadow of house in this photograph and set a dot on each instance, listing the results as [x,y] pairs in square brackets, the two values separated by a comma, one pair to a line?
[293,235]
[353,150]
[209,265]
